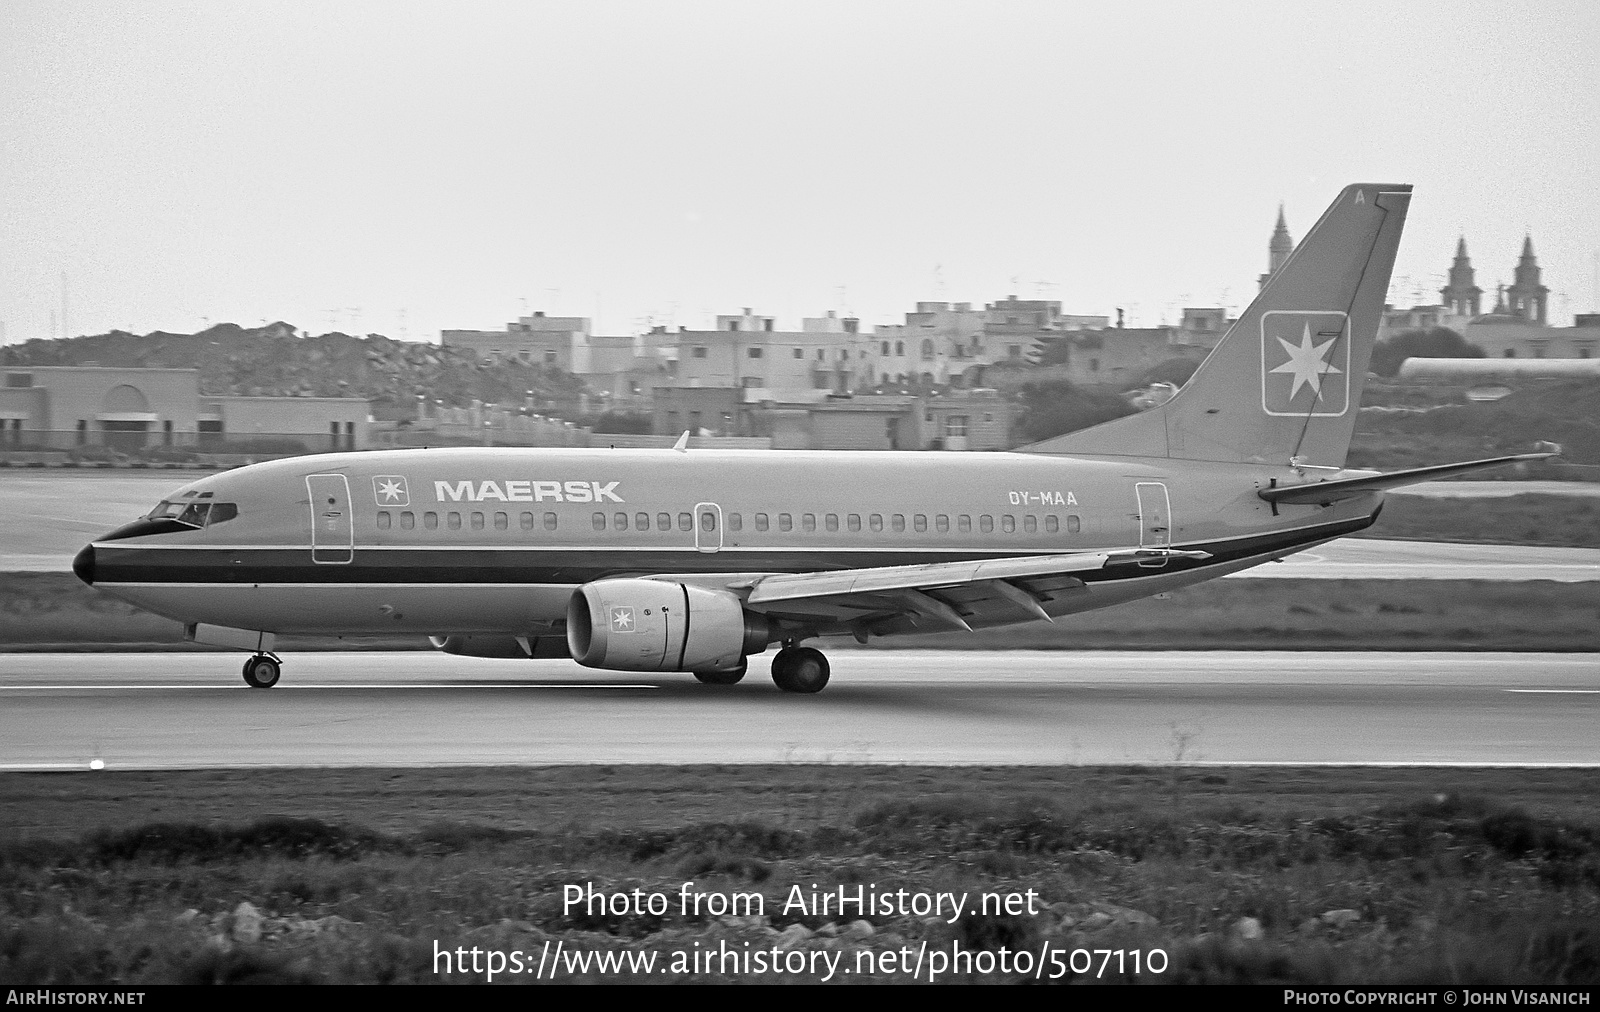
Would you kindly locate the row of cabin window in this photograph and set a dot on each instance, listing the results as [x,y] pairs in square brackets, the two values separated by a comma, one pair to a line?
[830,522]
[452,521]
[708,521]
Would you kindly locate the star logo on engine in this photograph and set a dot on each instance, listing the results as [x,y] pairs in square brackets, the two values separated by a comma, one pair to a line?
[390,490]
[621,619]
[1305,363]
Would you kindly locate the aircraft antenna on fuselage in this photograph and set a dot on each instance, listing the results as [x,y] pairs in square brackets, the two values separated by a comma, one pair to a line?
[682,445]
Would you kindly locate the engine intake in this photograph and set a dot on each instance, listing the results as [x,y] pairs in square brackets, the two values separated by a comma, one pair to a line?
[657,625]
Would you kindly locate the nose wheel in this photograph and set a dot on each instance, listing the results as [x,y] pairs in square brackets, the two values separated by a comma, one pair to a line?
[262,671]
[800,669]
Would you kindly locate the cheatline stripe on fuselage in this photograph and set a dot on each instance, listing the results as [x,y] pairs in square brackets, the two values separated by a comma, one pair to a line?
[130,564]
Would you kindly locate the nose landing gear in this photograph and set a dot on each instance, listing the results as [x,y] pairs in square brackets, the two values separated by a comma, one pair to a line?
[800,669]
[262,671]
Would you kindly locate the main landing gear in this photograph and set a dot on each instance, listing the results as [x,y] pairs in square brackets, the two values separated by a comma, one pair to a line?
[262,671]
[800,669]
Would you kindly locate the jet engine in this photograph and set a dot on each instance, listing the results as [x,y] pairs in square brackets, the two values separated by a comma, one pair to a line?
[517,647]
[658,625]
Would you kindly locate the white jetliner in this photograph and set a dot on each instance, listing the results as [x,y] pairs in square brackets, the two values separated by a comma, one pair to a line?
[692,560]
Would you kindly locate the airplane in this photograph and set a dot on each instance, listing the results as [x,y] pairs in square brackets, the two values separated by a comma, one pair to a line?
[694,560]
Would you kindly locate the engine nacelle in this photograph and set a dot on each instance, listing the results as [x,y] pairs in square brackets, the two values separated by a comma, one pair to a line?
[517,647]
[657,625]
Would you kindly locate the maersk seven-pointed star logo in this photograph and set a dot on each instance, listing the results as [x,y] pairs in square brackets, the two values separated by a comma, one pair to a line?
[622,619]
[1305,363]
[390,490]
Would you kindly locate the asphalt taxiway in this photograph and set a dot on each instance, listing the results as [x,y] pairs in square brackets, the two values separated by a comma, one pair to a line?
[151,711]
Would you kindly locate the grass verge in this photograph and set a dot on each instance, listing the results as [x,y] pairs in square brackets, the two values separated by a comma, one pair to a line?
[1242,875]
[51,611]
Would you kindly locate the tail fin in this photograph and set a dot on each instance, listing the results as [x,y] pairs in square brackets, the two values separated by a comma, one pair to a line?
[1285,383]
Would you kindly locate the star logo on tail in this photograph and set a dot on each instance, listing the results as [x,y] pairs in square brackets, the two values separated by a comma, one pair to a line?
[1305,363]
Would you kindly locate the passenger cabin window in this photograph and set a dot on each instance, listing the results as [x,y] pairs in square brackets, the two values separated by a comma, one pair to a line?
[549,521]
[831,521]
[853,521]
[501,522]
[919,523]
[663,521]
[986,524]
[708,521]
[964,524]
[1072,524]
[761,521]
[941,523]
[453,520]
[685,522]
[898,523]
[1008,524]
[875,521]
[735,522]
[808,522]
[430,521]
[1051,524]
[408,521]
[477,521]
[641,521]
[620,521]
[1030,524]
[383,520]
[599,520]
[785,522]
[526,521]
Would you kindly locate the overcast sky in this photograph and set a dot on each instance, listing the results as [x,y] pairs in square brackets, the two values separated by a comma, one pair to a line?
[457,165]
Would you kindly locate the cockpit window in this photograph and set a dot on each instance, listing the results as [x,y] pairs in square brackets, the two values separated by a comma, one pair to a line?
[196,514]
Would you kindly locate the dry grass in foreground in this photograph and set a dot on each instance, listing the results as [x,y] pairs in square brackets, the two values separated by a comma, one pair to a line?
[1240,875]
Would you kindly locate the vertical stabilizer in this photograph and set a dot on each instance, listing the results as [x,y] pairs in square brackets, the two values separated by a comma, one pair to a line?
[1285,383]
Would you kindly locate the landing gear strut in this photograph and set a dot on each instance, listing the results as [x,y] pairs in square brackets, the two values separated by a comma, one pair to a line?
[800,669]
[728,677]
[262,671]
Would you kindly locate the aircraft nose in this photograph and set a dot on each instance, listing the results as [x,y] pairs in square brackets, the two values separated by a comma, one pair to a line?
[83,564]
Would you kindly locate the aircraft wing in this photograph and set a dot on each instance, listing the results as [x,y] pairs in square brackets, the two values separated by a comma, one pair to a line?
[945,595]
[1322,493]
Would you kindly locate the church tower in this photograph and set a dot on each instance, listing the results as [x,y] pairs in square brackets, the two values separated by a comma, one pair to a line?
[1527,296]
[1461,297]
[1278,249]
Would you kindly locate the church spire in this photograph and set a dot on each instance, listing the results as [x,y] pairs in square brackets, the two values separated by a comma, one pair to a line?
[1278,248]
[1527,295]
[1461,296]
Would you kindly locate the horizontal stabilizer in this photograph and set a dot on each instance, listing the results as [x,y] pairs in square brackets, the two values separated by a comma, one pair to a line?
[1322,493]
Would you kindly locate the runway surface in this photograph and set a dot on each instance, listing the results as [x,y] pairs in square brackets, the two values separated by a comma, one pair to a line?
[64,711]
[54,515]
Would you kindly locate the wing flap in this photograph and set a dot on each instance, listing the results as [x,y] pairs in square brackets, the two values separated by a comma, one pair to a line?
[848,583]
